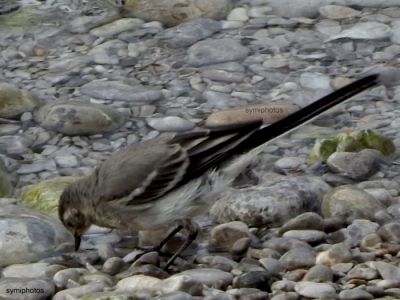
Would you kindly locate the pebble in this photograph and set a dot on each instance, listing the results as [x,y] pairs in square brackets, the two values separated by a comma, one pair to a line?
[315,290]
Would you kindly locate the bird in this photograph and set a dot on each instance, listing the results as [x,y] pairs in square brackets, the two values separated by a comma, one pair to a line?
[166,181]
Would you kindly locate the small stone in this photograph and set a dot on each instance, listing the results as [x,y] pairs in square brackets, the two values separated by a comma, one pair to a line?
[309,236]
[298,258]
[308,220]
[362,271]
[115,90]
[336,12]
[209,277]
[238,14]
[79,118]
[110,29]
[14,102]
[315,290]
[261,280]
[338,253]
[224,236]
[390,232]
[212,51]
[355,294]
[170,123]
[358,166]
[319,273]
[240,246]
[138,283]
[182,283]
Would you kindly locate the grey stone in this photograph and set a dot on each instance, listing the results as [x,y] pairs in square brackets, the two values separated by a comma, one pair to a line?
[349,203]
[116,90]
[78,118]
[297,258]
[212,51]
[111,29]
[272,203]
[306,235]
[28,235]
[107,53]
[307,220]
[261,280]
[390,232]
[319,273]
[315,290]
[170,123]
[188,33]
[355,294]
[14,102]
[358,166]
[15,144]
[209,276]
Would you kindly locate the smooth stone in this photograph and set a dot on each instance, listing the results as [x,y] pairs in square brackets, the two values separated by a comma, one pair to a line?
[29,235]
[386,270]
[83,24]
[216,261]
[297,258]
[307,220]
[138,283]
[355,294]
[315,81]
[175,12]
[107,53]
[319,273]
[44,196]
[349,203]
[34,270]
[190,32]
[62,278]
[116,90]
[14,102]
[274,202]
[26,288]
[355,232]
[116,27]
[363,271]
[79,291]
[269,113]
[358,166]
[261,280]
[182,283]
[365,31]
[209,276]
[290,165]
[15,144]
[383,195]
[238,14]
[37,167]
[315,290]
[79,118]
[66,161]
[116,295]
[174,296]
[224,236]
[170,123]
[336,254]
[337,12]
[306,235]
[390,232]
[212,51]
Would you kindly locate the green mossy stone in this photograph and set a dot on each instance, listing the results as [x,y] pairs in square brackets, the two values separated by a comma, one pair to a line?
[370,139]
[353,142]
[323,149]
[44,196]
[348,143]
[14,102]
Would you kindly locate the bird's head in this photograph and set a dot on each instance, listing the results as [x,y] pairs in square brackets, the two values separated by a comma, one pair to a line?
[71,211]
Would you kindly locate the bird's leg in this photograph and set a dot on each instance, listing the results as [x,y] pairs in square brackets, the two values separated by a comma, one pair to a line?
[162,243]
[193,230]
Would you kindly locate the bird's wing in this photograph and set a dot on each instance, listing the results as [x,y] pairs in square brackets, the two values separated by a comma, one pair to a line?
[141,172]
[148,170]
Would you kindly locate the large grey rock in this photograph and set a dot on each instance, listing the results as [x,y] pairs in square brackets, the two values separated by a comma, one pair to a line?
[272,203]
[78,118]
[350,203]
[27,235]
[356,165]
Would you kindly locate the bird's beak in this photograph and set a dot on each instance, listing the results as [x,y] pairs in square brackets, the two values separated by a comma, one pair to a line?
[77,241]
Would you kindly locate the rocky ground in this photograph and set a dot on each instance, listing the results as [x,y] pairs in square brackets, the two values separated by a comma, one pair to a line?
[78,81]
